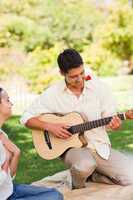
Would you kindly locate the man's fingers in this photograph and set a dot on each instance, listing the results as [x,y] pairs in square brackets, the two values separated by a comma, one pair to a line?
[115,123]
[62,136]
[64,130]
[66,127]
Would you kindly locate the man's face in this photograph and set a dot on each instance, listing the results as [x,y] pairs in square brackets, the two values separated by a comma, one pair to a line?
[75,77]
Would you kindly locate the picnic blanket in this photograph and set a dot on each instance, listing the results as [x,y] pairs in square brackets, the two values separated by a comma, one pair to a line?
[92,191]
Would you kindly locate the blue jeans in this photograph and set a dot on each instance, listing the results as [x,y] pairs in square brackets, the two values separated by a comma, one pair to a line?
[30,192]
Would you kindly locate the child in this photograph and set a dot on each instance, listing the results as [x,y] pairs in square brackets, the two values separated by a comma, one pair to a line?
[9,157]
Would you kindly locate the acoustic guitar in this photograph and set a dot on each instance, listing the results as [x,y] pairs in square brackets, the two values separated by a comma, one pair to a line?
[50,147]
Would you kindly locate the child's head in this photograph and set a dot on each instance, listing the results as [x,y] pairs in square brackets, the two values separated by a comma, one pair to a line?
[5,104]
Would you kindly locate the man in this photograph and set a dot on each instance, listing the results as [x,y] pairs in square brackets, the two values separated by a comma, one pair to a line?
[93,100]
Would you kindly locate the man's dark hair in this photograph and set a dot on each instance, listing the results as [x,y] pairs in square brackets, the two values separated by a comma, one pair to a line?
[69,59]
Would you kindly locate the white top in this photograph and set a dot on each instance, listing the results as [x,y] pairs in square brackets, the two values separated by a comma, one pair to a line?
[95,102]
[6,185]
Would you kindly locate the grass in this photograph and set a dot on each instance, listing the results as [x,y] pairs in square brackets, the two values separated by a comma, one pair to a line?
[32,167]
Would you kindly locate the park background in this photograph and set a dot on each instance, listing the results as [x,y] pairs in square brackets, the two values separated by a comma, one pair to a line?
[34,32]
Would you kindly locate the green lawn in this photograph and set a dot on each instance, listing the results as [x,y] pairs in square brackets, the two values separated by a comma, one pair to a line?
[32,167]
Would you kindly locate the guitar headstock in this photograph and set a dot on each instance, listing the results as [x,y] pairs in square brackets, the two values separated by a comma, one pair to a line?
[129,114]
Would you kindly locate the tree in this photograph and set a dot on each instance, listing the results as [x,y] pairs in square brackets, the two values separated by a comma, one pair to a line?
[116,34]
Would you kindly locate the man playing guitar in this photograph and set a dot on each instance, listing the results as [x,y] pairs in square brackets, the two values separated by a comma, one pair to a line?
[93,100]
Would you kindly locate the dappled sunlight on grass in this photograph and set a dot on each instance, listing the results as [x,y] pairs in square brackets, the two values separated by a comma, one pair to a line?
[123,138]
[130,146]
[32,151]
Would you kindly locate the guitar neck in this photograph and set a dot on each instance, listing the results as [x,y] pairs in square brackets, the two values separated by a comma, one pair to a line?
[80,128]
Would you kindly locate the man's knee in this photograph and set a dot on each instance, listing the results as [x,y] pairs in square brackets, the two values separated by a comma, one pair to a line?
[84,168]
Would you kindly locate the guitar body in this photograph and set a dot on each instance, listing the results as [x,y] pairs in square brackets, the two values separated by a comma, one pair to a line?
[59,146]
[75,120]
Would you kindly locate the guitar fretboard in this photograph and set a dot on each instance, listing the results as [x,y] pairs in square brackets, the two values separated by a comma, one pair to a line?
[80,128]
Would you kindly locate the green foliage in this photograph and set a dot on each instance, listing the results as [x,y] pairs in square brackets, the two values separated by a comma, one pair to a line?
[38,72]
[73,25]
[116,34]
[44,23]
[112,41]
[19,32]
[42,29]
[101,60]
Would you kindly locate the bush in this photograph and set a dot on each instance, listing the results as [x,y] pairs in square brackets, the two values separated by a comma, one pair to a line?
[39,68]
[101,60]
